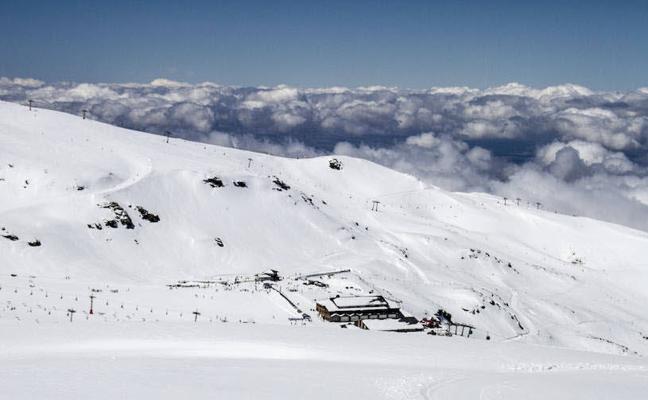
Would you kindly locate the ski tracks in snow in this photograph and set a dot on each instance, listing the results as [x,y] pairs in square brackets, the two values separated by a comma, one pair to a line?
[138,175]
[435,390]
[424,385]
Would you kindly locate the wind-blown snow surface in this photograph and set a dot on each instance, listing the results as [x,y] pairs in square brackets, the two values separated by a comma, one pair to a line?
[515,272]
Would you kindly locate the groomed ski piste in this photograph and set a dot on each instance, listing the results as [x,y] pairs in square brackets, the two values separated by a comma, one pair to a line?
[171,245]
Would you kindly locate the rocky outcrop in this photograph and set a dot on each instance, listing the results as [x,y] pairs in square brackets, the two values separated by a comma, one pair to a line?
[121,216]
[148,216]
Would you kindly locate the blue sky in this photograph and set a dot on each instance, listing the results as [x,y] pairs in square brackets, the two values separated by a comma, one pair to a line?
[415,44]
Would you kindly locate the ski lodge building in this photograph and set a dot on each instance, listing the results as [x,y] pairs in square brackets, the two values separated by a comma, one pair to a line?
[355,308]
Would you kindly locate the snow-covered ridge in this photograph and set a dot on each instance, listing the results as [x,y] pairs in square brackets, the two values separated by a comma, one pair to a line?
[103,205]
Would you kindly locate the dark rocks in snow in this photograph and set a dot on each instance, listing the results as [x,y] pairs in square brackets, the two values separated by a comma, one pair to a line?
[443,315]
[240,184]
[336,164]
[308,200]
[146,215]
[35,243]
[95,226]
[577,261]
[477,253]
[281,184]
[112,223]
[120,216]
[214,182]
[219,242]
[623,348]
[80,188]
[11,237]
[402,250]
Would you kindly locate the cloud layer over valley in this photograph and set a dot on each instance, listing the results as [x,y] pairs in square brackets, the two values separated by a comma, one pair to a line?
[571,149]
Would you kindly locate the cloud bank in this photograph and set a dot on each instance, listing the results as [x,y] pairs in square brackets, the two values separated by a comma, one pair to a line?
[572,149]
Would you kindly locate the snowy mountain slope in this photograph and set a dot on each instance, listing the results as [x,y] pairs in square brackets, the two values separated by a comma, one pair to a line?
[513,271]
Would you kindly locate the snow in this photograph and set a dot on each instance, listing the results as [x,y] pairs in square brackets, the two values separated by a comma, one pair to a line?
[561,298]
[234,362]
[388,325]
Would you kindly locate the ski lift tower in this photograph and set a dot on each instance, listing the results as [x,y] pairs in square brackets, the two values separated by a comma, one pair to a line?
[92,297]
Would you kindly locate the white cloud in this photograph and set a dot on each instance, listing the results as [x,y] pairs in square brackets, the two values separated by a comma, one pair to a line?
[601,126]
[590,153]
[440,161]
[168,83]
